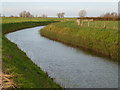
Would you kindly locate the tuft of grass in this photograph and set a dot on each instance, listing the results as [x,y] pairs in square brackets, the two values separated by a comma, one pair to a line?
[98,40]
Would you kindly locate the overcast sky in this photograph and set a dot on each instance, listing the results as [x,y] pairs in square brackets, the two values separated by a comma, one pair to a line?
[60,0]
[51,8]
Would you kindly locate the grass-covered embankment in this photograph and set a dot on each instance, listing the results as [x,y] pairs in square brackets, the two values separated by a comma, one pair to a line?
[15,62]
[97,40]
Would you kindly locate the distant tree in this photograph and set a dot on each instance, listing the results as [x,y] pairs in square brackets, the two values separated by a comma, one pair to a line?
[58,14]
[61,15]
[22,14]
[82,13]
[11,16]
[25,14]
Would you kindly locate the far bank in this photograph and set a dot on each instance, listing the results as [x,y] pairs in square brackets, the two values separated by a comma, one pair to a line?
[98,40]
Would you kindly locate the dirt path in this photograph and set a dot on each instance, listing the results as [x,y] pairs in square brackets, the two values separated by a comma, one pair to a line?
[6,81]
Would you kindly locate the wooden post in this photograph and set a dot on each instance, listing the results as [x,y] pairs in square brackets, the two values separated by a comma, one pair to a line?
[78,22]
[81,21]
[88,24]
[104,25]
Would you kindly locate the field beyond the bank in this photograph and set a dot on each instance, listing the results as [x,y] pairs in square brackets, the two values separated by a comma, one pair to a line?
[94,38]
[20,19]
[25,74]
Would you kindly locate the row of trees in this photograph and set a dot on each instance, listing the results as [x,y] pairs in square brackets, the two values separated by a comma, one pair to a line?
[82,14]
[110,15]
[28,14]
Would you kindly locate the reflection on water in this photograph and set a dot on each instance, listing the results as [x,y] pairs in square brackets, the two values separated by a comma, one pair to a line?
[70,67]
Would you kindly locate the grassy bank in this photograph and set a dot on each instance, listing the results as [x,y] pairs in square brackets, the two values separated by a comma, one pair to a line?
[94,39]
[15,62]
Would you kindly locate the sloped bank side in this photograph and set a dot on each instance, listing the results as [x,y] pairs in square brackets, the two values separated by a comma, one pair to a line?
[103,42]
[24,72]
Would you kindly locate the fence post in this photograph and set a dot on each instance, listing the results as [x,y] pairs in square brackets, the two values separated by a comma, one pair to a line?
[104,25]
[78,22]
[88,24]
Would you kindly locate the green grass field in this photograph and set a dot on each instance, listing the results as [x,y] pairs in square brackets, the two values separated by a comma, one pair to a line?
[16,63]
[17,19]
[94,39]
[100,24]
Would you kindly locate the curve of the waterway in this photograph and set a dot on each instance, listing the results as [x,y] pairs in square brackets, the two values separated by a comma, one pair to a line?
[70,67]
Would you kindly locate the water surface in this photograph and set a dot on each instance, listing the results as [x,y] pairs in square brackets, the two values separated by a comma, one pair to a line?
[70,67]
